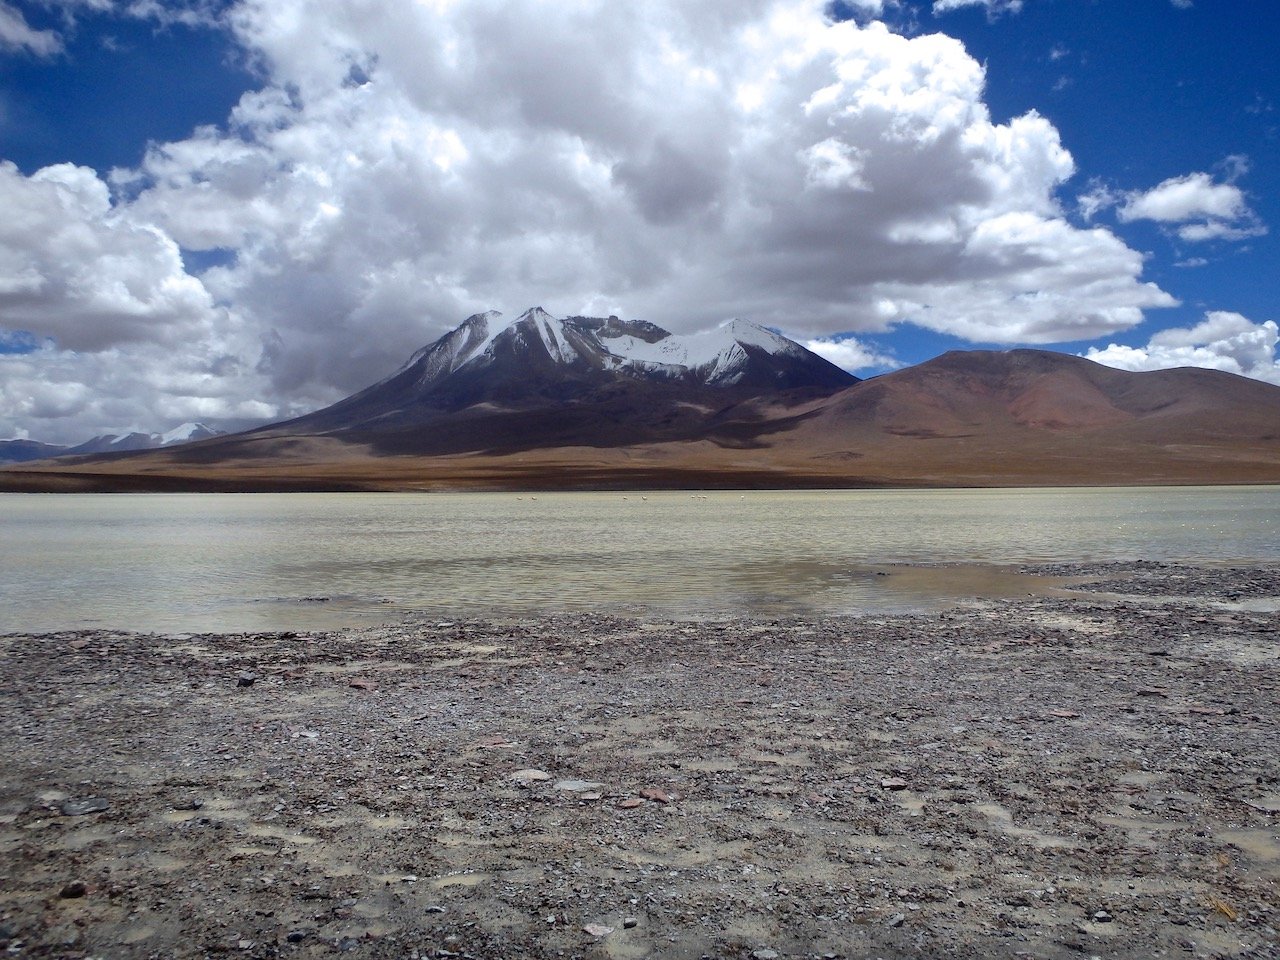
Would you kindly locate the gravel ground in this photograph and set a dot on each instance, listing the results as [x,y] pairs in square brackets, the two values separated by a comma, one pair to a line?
[1093,775]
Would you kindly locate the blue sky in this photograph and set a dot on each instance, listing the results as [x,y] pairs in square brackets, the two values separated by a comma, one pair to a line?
[241,209]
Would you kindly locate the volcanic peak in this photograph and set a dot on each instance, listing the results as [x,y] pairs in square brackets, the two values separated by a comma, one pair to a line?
[717,357]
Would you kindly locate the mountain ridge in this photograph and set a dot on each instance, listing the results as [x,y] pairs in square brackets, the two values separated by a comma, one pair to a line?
[22,451]
[539,402]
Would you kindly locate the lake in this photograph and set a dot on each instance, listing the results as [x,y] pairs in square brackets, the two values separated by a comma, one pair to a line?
[242,562]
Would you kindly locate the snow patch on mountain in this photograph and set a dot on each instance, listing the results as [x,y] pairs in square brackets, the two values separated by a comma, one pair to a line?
[187,433]
[719,356]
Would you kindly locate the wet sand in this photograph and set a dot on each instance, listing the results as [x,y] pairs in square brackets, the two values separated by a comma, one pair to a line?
[1050,776]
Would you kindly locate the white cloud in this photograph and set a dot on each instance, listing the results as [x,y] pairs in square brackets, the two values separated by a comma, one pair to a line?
[1182,4]
[405,165]
[74,270]
[1222,341]
[1185,198]
[994,8]
[1097,198]
[17,34]
[61,396]
[851,354]
[1203,208]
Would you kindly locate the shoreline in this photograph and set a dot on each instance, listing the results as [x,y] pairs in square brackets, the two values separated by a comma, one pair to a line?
[1045,776]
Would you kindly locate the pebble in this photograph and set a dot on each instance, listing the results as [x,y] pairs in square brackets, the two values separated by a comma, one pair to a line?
[765,955]
[530,776]
[597,930]
[656,794]
[73,890]
[578,786]
[897,920]
[245,680]
[893,783]
[629,922]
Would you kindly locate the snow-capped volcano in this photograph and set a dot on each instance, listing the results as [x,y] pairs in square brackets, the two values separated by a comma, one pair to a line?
[733,353]
[623,371]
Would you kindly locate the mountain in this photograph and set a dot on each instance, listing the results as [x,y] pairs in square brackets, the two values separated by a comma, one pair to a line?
[23,451]
[539,381]
[601,403]
[537,360]
[1035,416]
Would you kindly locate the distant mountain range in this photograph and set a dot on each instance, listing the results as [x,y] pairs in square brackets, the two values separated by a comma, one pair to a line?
[21,451]
[589,402]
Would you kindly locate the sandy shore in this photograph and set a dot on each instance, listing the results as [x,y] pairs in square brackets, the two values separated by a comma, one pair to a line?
[1096,775]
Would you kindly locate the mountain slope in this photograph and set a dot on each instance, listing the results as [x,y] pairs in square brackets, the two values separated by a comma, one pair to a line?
[540,381]
[542,404]
[21,451]
[1038,417]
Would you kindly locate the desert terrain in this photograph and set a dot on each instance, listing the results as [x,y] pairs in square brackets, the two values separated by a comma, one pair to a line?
[1088,772]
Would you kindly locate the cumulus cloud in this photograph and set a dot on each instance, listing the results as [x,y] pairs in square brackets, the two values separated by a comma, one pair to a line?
[851,354]
[1202,208]
[403,166]
[61,396]
[1222,341]
[73,270]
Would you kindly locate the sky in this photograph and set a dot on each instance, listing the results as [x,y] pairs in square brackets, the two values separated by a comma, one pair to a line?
[239,210]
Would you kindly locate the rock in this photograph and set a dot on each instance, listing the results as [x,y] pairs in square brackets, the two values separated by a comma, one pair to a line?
[189,805]
[897,920]
[629,922]
[80,808]
[630,803]
[363,685]
[74,890]
[656,794]
[1064,714]
[530,776]
[765,954]
[296,936]
[245,680]
[1101,916]
[578,786]
[597,930]
[893,783]
[493,743]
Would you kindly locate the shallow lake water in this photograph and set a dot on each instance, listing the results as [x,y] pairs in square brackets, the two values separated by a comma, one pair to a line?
[240,562]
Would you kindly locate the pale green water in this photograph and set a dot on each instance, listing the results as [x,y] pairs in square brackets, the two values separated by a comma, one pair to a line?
[209,562]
